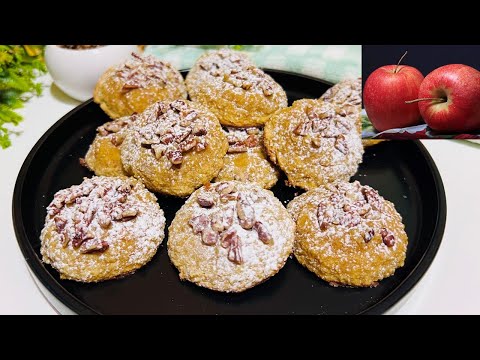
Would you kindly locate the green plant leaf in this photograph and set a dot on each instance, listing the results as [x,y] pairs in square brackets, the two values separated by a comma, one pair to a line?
[20,65]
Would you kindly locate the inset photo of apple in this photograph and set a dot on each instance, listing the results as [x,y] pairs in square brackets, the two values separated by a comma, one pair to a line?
[421,91]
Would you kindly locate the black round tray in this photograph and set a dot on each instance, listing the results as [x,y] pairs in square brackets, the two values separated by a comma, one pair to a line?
[402,171]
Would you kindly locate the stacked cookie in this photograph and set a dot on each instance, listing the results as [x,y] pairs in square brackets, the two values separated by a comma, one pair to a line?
[222,149]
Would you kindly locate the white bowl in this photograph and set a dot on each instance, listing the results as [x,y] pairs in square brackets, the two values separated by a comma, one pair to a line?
[76,72]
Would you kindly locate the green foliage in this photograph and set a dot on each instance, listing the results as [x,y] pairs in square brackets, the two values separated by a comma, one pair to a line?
[19,67]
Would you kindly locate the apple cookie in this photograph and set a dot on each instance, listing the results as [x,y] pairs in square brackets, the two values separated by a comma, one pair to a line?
[348,235]
[230,236]
[102,229]
[246,158]
[234,89]
[103,155]
[175,147]
[136,84]
[314,143]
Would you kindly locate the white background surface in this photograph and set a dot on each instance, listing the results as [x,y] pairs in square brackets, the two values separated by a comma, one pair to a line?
[449,287]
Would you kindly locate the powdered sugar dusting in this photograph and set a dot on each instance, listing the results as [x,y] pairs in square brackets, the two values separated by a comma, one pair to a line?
[243,139]
[348,232]
[263,228]
[142,71]
[345,93]
[236,91]
[314,143]
[89,223]
[234,70]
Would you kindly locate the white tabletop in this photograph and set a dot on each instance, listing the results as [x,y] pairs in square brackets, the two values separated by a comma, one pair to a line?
[449,287]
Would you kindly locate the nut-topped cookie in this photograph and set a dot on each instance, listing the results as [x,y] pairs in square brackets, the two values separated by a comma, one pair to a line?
[246,158]
[230,236]
[314,143]
[175,147]
[136,84]
[347,234]
[103,155]
[347,94]
[234,89]
[104,228]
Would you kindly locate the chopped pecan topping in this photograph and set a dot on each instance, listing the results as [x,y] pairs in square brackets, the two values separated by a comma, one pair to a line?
[198,223]
[372,197]
[231,240]
[173,132]
[242,139]
[387,237]
[91,201]
[341,144]
[245,212]
[263,233]
[369,235]
[175,157]
[93,246]
[347,205]
[205,200]
[302,128]
[114,127]
[217,218]
[345,93]
[143,71]
[225,188]
[209,236]
[238,71]
[217,222]
[322,121]
[60,223]
[104,220]
[129,214]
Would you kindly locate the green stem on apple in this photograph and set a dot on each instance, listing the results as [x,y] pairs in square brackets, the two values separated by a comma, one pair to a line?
[399,61]
[426,99]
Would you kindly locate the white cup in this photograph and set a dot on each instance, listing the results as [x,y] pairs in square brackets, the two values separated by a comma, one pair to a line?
[76,72]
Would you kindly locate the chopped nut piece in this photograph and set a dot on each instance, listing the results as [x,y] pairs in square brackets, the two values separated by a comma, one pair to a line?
[205,200]
[217,222]
[225,188]
[112,127]
[175,157]
[129,214]
[369,235]
[387,237]
[209,236]
[302,128]
[60,223]
[341,144]
[263,233]
[231,240]
[93,246]
[245,212]
[198,223]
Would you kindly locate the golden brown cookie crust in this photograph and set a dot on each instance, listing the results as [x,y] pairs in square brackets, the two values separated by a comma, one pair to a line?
[230,236]
[246,159]
[347,234]
[136,84]
[103,155]
[314,143]
[175,147]
[234,89]
[102,229]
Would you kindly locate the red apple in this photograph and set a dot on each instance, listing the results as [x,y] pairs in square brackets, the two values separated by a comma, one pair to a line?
[385,93]
[453,99]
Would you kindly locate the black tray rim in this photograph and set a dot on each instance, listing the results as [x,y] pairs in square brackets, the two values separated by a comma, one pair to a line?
[37,267]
